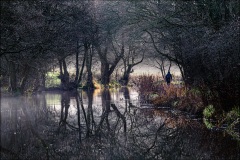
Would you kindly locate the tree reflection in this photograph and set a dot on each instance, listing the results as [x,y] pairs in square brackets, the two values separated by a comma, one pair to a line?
[33,129]
[20,134]
[128,102]
[108,117]
[65,107]
[78,98]
[90,123]
[65,104]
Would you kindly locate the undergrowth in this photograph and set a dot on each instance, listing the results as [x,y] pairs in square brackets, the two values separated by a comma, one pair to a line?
[153,89]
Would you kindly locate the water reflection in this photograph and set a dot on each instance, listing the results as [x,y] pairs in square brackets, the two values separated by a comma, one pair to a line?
[106,124]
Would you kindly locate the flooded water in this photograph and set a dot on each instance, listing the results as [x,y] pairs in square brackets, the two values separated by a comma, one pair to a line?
[104,124]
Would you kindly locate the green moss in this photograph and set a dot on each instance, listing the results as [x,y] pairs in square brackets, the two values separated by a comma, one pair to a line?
[207,123]
[232,119]
[208,111]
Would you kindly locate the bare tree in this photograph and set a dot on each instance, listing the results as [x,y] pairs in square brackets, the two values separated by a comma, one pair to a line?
[108,22]
[129,61]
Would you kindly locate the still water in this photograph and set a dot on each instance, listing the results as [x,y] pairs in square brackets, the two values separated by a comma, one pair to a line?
[104,124]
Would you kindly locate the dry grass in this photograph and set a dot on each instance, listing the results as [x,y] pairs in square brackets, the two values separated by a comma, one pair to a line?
[157,92]
[169,93]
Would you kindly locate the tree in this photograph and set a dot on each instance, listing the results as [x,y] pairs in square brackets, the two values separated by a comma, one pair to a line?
[36,35]
[88,50]
[24,43]
[129,61]
[107,66]
[108,23]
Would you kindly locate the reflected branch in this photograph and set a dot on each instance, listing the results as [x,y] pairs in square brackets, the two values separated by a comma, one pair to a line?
[77,98]
[155,139]
[120,116]
[33,131]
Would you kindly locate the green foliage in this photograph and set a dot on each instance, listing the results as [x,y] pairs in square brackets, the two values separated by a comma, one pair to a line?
[228,121]
[52,79]
[114,84]
[234,113]
[208,124]
[233,119]
[208,111]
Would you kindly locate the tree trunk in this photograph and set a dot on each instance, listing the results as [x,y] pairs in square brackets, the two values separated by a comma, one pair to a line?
[106,69]
[77,67]
[126,75]
[81,72]
[88,55]
[105,77]
[64,75]
[182,72]
[12,77]
[43,80]
[89,113]
[24,79]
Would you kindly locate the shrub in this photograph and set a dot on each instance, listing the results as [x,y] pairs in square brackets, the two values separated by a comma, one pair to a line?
[154,90]
[208,111]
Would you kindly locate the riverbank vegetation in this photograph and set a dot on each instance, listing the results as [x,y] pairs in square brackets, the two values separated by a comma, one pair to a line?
[154,90]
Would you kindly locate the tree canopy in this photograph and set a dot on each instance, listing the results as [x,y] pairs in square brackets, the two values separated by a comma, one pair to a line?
[200,36]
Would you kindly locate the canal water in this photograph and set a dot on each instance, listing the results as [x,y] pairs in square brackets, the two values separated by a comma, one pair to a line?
[104,124]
